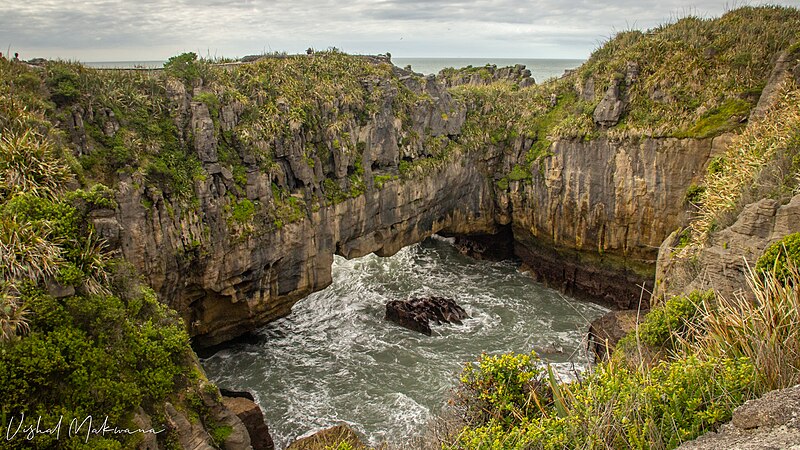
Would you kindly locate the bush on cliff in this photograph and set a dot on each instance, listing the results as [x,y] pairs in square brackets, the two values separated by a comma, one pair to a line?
[780,257]
[615,406]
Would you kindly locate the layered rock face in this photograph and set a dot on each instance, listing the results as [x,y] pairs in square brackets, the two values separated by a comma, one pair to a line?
[589,220]
[241,283]
[725,262]
[594,215]
[226,278]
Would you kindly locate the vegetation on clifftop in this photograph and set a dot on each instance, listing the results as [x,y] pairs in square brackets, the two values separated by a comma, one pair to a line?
[79,335]
[695,78]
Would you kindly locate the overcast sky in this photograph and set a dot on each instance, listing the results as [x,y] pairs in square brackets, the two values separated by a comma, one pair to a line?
[116,30]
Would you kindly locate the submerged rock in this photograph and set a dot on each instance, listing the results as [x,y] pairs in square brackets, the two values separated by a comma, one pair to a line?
[417,313]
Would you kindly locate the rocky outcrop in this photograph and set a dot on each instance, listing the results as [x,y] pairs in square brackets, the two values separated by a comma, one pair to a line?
[725,261]
[329,438]
[606,331]
[481,76]
[592,218]
[417,313]
[770,422]
[611,107]
[253,419]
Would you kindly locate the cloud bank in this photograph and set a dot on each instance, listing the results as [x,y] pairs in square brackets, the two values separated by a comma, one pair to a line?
[113,30]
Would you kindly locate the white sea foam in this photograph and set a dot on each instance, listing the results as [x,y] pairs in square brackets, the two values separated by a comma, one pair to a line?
[336,360]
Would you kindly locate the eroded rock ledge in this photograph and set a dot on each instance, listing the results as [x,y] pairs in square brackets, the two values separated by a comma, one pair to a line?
[589,221]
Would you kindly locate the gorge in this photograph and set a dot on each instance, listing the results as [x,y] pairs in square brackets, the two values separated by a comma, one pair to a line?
[226,192]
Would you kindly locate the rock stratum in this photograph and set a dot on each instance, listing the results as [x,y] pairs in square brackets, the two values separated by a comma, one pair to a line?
[281,179]
[237,184]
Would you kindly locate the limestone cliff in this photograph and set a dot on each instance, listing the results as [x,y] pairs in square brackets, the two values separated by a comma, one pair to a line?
[593,216]
[236,185]
[253,241]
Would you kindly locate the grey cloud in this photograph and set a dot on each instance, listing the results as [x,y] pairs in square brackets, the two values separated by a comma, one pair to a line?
[159,28]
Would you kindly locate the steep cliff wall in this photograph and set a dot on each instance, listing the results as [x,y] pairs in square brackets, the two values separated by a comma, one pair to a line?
[264,213]
[593,216]
[237,185]
[240,282]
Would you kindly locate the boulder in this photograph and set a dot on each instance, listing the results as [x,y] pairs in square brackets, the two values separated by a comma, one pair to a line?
[773,421]
[610,108]
[328,438]
[417,313]
[605,332]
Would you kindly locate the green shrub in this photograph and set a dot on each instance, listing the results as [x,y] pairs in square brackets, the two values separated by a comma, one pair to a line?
[780,256]
[695,194]
[94,355]
[183,66]
[725,117]
[63,81]
[503,388]
[519,173]
[618,407]
[673,319]
[243,211]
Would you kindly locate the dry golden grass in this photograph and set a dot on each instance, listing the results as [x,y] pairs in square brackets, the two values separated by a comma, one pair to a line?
[744,159]
[764,328]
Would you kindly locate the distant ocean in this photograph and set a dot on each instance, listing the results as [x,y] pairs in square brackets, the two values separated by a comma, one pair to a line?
[541,69]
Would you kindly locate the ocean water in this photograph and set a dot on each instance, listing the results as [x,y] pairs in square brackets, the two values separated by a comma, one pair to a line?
[336,360]
[541,69]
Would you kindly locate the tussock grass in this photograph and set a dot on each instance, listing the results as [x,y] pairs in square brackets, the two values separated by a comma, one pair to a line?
[763,327]
[738,168]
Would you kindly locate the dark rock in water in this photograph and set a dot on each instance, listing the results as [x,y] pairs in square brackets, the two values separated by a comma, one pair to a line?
[237,394]
[329,438]
[417,313]
[489,247]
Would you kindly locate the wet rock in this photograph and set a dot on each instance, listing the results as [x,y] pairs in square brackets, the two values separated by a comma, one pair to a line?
[329,438]
[605,332]
[253,419]
[237,394]
[490,247]
[417,313]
